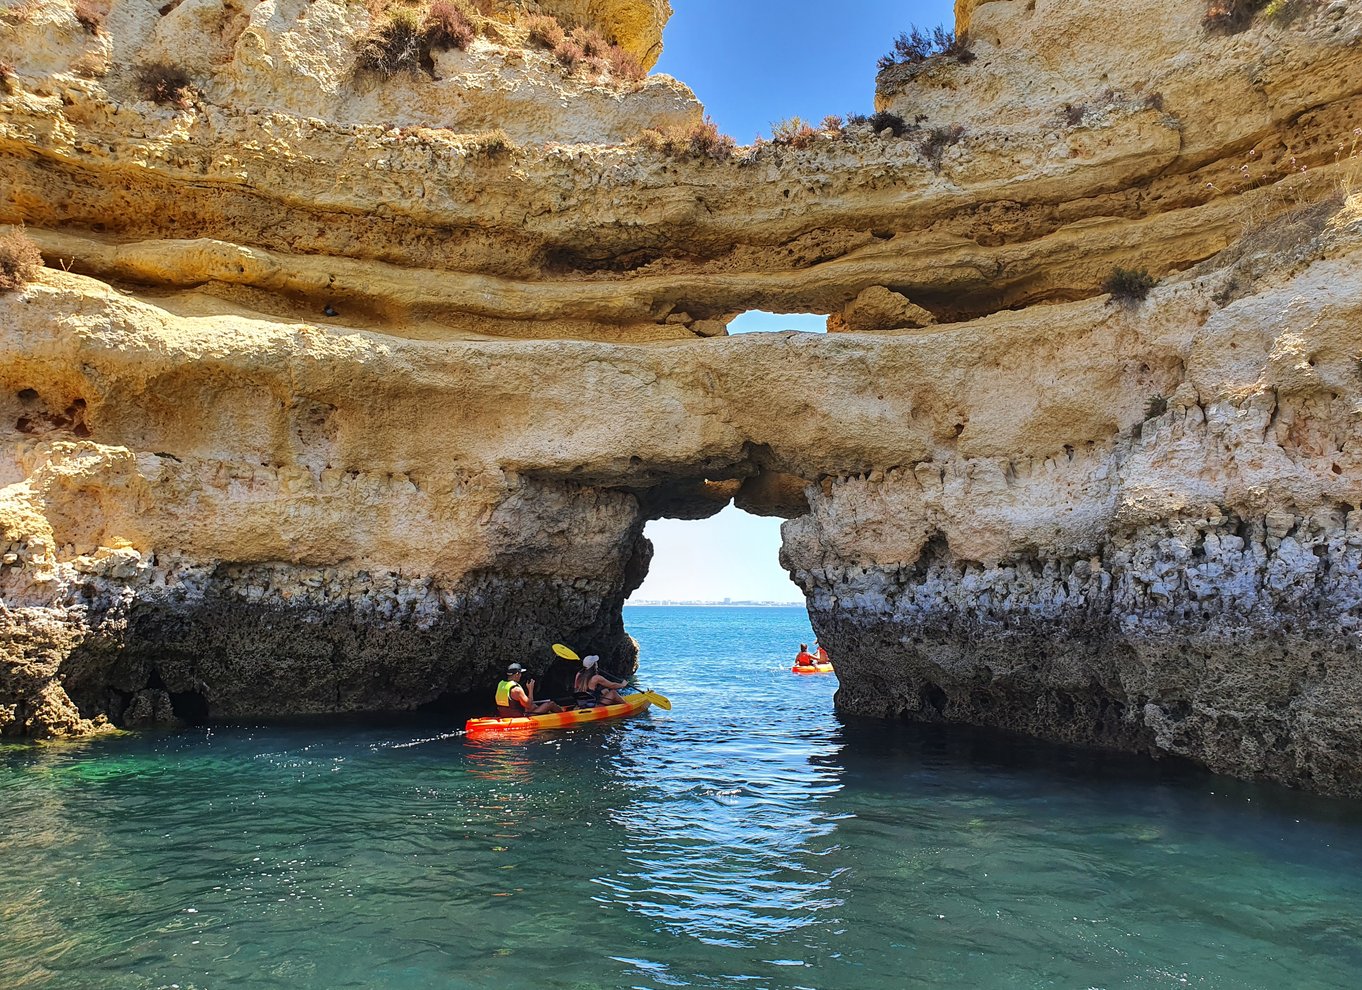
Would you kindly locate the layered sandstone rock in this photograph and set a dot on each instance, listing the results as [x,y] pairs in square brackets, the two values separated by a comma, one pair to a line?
[331,399]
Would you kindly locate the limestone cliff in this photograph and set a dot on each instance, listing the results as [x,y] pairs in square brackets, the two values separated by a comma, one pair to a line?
[343,387]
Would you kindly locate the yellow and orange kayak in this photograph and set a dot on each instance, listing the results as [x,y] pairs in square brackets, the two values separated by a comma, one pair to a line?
[818,668]
[633,704]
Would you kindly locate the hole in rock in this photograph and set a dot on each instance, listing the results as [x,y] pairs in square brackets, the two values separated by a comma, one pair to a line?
[760,321]
[731,558]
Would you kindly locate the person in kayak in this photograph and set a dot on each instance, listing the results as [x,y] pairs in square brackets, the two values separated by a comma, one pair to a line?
[514,701]
[593,687]
[804,658]
[820,654]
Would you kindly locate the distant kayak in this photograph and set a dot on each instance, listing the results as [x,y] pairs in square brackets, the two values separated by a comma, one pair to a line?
[633,704]
[818,668]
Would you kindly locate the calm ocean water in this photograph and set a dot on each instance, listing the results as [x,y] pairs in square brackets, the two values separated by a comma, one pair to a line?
[748,838]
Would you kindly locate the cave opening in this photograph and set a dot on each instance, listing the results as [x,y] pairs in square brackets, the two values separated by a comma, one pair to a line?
[717,602]
[732,557]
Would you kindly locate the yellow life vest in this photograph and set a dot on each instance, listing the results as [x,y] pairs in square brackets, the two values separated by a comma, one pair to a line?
[504,694]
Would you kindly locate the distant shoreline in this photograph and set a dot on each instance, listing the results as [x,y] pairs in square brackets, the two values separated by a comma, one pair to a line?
[656,604]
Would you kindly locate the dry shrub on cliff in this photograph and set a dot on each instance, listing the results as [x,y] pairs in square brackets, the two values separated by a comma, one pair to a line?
[544,31]
[166,84]
[794,133]
[1128,284]
[701,140]
[397,45]
[569,54]
[624,66]
[582,49]
[447,26]
[935,142]
[881,121]
[20,260]
[917,46]
[404,37]
[590,42]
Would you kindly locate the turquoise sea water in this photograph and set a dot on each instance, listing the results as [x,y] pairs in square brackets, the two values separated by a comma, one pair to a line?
[749,838]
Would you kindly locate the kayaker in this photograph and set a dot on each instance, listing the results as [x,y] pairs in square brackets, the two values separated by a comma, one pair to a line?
[514,700]
[594,686]
[820,654]
[804,658]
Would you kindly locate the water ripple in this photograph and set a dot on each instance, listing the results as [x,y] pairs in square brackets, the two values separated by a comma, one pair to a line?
[748,838]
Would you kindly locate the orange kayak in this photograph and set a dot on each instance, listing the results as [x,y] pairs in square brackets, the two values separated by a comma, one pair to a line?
[633,704]
[818,668]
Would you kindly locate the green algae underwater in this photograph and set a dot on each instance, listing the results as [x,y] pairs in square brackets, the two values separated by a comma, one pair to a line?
[749,838]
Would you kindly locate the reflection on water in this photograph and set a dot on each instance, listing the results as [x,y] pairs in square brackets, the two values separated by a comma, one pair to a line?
[748,838]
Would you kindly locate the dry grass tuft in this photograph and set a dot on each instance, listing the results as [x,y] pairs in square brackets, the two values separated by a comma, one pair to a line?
[20,260]
[397,45]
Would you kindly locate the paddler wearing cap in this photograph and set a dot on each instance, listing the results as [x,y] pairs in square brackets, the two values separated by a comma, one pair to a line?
[593,687]
[514,701]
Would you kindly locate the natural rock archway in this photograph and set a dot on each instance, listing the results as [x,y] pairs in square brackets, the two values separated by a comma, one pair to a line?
[332,399]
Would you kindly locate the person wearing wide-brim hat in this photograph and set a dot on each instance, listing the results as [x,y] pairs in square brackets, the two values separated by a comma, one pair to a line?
[514,700]
[591,684]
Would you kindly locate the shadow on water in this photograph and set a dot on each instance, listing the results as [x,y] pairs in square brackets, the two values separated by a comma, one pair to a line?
[955,756]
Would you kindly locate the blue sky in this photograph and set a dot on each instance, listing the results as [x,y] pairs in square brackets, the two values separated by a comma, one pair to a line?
[753,62]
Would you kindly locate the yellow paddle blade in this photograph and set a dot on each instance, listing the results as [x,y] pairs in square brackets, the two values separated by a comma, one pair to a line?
[564,652]
[661,700]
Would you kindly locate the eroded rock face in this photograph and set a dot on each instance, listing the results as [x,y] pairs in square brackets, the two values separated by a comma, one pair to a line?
[331,399]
